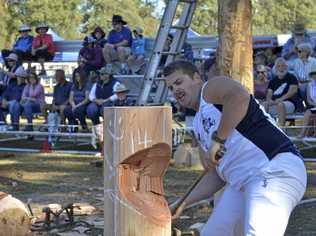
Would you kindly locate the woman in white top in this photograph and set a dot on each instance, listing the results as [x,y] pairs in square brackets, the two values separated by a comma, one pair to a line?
[311,99]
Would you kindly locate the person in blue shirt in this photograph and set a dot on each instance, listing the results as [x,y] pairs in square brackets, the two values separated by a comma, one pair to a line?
[137,57]
[61,93]
[22,46]
[11,99]
[299,35]
[118,46]
[78,101]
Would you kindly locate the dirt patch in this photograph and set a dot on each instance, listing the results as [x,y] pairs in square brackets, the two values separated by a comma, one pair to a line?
[56,178]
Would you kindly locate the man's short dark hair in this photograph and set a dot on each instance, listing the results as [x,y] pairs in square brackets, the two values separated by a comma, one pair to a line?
[184,66]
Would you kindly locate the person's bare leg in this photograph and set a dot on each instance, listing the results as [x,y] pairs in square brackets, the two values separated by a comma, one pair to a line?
[41,61]
[121,54]
[281,113]
[107,54]
[306,119]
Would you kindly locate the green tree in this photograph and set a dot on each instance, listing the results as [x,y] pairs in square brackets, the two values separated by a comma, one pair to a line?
[135,12]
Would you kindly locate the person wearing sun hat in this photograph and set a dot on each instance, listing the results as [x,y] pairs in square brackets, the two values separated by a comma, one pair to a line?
[91,54]
[101,92]
[119,41]
[12,67]
[43,47]
[11,99]
[121,91]
[299,35]
[137,58]
[23,45]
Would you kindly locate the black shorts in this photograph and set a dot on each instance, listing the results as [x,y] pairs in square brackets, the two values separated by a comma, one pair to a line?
[43,54]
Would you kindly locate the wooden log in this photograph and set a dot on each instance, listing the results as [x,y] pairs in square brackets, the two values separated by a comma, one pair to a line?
[14,217]
[235,41]
[137,150]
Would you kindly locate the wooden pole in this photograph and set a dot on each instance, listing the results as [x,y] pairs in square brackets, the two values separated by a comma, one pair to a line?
[137,149]
[235,41]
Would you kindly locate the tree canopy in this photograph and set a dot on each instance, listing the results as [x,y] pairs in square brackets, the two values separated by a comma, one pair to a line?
[72,19]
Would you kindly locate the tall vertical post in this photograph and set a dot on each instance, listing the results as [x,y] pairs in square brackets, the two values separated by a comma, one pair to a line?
[137,149]
[235,41]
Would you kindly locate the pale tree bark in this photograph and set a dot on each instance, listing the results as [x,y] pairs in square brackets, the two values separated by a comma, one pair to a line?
[235,41]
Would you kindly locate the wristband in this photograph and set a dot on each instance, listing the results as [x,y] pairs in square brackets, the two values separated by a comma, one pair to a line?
[217,139]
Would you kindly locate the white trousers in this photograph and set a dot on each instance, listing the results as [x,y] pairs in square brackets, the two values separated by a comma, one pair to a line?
[264,204]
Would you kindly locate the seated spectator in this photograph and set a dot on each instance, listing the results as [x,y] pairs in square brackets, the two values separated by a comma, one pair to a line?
[78,101]
[122,100]
[137,57]
[302,65]
[271,54]
[101,92]
[166,48]
[261,59]
[299,35]
[61,94]
[33,99]
[118,46]
[13,66]
[261,83]
[22,46]
[43,47]
[91,55]
[99,35]
[311,99]
[282,97]
[11,99]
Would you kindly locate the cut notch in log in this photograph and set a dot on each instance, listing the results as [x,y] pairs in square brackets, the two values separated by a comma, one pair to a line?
[141,182]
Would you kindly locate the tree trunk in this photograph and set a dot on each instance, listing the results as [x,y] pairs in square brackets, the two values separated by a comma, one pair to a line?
[14,217]
[235,41]
[137,150]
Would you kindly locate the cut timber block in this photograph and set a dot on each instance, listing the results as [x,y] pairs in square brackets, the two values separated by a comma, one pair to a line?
[137,144]
[14,217]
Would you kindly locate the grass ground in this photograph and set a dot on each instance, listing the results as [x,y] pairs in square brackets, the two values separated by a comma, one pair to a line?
[52,178]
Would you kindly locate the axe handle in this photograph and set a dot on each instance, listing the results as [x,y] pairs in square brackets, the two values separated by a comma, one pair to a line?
[196,182]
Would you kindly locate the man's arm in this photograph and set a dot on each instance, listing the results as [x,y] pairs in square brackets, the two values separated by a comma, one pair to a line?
[234,98]
[292,91]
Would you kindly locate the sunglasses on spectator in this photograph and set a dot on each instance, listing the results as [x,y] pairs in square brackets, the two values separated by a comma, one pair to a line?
[312,73]
[261,72]
[104,74]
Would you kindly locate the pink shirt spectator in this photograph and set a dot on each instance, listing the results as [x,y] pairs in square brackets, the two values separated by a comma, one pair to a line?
[260,90]
[34,92]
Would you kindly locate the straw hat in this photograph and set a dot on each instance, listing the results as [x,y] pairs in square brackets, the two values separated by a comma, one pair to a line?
[12,56]
[120,88]
[41,26]
[24,27]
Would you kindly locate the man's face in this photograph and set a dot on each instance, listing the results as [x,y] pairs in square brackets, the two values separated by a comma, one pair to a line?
[302,53]
[117,26]
[59,77]
[182,87]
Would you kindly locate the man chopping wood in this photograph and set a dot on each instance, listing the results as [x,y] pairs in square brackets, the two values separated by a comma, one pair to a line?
[242,147]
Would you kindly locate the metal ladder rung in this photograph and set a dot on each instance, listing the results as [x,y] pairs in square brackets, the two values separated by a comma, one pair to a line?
[171,53]
[188,1]
[183,27]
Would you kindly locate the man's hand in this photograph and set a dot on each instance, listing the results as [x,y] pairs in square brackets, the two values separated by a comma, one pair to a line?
[215,153]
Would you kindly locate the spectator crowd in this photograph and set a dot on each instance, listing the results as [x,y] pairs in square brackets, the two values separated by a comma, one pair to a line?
[284,78]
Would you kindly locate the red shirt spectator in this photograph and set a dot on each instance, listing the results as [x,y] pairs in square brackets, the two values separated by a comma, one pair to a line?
[46,39]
